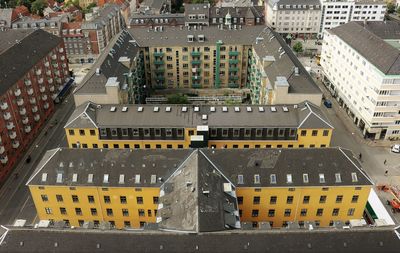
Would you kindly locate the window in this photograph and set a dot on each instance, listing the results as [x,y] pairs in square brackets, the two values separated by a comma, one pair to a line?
[63,211]
[59,198]
[354,199]
[78,211]
[105,145]
[139,200]
[270,132]
[75,199]
[289,200]
[287,212]
[146,132]
[303,132]
[271,212]
[225,132]
[306,199]
[107,199]
[256,200]
[147,145]
[109,212]
[141,212]
[321,178]
[247,132]
[149,214]
[124,131]
[81,132]
[339,198]
[335,212]
[135,131]
[125,212]
[273,200]
[155,200]
[90,199]
[116,145]
[95,145]
[320,211]
[71,132]
[305,178]
[48,210]
[93,211]
[273,179]
[92,132]
[338,178]
[281,132]
[240,179]
[168,132]
[314,132]
[258,132]
[127,224]
[123,199]
[325,133]
[350,212]
[322,199]
[354,177]
[254,213]
[240,200]
[157,132]
[303,212]
[45,198]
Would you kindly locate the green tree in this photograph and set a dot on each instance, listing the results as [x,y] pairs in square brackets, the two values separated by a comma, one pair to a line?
[26,3]
[177,99]
[38,6]
[391,7]
[298,47]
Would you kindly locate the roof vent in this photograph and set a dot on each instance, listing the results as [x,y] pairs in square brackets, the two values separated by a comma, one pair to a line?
[113,109]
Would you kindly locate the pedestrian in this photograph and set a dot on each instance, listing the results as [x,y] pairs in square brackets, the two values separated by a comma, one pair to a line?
[384,162]
[386,172]
[360,156]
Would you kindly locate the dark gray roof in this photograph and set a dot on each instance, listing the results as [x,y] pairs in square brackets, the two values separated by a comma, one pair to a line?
[236,12]
[114,162]
[378,52]
[31,47]
[300,4]
[332,240]
[102,17]
[303,114]
[231,163]
[281,162]
[385,30]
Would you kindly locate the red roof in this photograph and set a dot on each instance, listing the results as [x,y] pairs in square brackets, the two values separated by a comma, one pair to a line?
[23,10]
[72,25]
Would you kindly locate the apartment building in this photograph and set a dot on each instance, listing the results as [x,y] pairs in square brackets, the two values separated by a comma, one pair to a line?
[49,24]
[184,126]
[117,76]
[339,12]
[302,18]
[29,84]
[199,190]
[363,72]
[225,56]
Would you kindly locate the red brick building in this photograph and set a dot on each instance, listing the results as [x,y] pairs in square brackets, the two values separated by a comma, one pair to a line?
[34,70]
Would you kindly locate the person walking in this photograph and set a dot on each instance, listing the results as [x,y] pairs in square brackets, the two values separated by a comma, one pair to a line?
[386,172]
[360,156]
[384,162]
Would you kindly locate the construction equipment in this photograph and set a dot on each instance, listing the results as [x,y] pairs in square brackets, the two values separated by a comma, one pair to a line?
[395,192]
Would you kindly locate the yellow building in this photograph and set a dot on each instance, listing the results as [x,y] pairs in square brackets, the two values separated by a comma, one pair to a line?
[199,189]
[197,126]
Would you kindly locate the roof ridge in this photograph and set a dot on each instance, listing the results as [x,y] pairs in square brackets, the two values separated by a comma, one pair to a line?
[355,165]
[55,150]
[317,115]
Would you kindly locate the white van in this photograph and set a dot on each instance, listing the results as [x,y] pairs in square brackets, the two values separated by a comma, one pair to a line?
[396,148]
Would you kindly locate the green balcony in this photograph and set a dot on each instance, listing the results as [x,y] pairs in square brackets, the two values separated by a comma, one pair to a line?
[159,70]
[196,85]
[160,78]
[233,85]
[159,86]
[198,70]
[233,53]
[196,62]
[195,53]
[158,54]
[233,69]
[233,77]
[196,78]
[233,61]
[159,62]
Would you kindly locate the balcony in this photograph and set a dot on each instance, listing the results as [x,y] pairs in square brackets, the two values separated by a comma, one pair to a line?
[4,106]
[50,80]
[55,65]
[57,72]
[10,125]
[4,159]
[196,62]
[46,105]
[233,53]
[17,92]
[40,81]
[158,54]
[51,88]
[233,77]
[30,91]
[160,78]
[44,97]
[195,53]
[20,102]
[15,144]
[36,117]
[54,57]
[65,72]
[233,85]
[64,65]
[7,116]
[28,129]
[196,85]
[38,72]
[32,101]
[54,96]
[48,72]
[22,111]
[61,50]
[28,82]
[159,70]
[42,89]
[194,78]
[58,80]
[34,109]
[233,69]
[12,135]
[60,87]
[47,64]
[2,149]
[233,61]
[25,120]
[159,62]
[62,57]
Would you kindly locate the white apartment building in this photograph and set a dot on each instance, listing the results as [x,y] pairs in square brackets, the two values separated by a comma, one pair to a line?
[361,64]
[302,17]
[339,12]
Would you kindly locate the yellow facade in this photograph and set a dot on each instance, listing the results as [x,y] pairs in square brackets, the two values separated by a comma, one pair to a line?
[130,213]
[88,138]
[294,208]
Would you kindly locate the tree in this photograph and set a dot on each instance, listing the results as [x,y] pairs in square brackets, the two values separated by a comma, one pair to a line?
[298,47]
[38,6]
[391,7]
[177,99]
[26,3]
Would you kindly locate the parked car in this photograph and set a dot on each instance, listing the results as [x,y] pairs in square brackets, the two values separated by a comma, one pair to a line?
[328,103]
[395,148]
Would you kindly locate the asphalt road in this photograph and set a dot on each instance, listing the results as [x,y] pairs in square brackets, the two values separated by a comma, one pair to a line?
[15,200]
